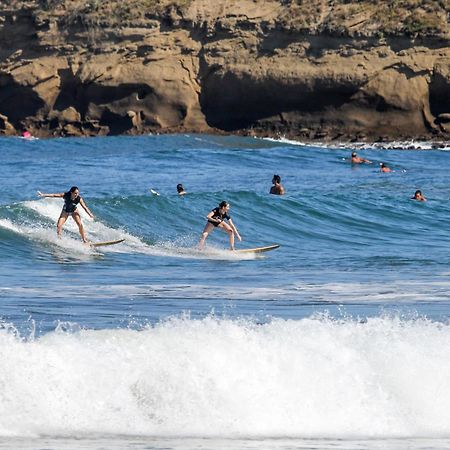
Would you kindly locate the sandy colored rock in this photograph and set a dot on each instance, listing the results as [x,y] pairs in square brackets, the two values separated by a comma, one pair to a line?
[68,115]
[307,69]
[6,128]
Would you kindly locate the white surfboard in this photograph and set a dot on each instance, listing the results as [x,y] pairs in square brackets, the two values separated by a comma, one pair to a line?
[258,249]
[103,244]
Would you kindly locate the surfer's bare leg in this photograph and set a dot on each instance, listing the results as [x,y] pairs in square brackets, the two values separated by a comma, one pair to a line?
[208,228]
[77,218]
[225,227]
[61,221]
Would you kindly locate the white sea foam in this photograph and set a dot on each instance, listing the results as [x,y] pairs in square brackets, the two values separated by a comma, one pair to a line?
[283,140]
[392,145]
[395,293]
[145,443]
[294,378]
[47,235]
[210,251]
[8,225]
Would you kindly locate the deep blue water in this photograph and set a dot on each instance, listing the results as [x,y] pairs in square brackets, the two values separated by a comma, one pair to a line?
[353,306]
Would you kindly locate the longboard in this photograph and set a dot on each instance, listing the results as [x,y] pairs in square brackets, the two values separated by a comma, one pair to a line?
[258,249]
[103,244]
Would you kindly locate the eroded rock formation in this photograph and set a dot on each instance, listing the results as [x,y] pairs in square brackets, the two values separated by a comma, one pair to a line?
[235,66]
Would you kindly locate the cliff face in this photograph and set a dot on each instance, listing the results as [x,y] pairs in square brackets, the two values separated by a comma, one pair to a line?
[246,66]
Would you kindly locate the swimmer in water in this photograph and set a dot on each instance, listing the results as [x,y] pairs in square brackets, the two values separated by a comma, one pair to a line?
[180,189]
[418,196]
[355,159]
[277,188]
[384,168]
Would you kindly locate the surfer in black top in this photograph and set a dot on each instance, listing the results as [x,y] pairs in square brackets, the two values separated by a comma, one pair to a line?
[216,219]
[71,200]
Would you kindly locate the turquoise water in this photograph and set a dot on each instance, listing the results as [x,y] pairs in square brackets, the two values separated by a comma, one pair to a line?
[339,336]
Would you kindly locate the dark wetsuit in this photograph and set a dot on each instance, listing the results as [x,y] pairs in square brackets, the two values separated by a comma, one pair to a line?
[218,216]
[70,205]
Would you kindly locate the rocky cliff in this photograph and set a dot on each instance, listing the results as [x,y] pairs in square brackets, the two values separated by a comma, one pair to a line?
[319,69]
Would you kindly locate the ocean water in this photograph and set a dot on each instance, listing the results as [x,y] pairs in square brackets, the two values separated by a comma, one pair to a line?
[339,339]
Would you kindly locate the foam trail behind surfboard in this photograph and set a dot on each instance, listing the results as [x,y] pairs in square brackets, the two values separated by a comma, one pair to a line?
[209,252]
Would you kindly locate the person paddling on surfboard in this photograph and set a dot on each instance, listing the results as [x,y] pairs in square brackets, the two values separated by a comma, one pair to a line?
[216,219]
[71,200]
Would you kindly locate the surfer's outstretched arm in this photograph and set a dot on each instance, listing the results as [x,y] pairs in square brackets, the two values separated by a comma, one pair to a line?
[86,208]
[40,194]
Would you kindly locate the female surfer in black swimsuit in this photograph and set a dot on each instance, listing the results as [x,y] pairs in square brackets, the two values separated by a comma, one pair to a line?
[216,220]
[71,200]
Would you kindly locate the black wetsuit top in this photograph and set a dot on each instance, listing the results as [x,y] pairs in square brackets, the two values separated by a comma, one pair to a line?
[70,205]
[218,216]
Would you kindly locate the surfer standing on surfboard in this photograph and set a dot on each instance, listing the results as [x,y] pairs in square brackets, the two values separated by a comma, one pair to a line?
[71,200]
[216,219]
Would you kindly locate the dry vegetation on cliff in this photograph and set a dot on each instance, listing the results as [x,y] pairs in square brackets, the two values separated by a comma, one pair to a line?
[109,13]
[341,17]
[367,17]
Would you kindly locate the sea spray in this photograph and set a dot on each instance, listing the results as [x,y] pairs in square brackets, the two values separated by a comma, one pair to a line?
[316,377]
